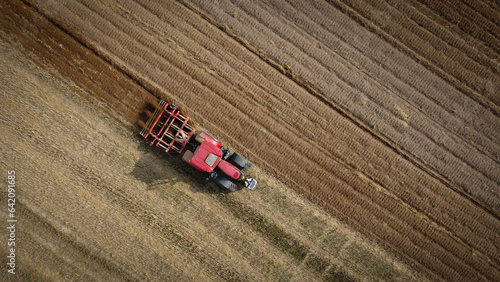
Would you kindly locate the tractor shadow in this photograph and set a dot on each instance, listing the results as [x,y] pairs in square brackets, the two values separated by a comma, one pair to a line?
[160,170]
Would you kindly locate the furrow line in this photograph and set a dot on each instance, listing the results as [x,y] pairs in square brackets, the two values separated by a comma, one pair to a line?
[446,39]
[467,27]
[231,74]
[453,148]
[235,36]
[486,11]
[420,34]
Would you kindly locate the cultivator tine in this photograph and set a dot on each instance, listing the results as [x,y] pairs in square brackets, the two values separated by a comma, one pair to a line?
[146,129]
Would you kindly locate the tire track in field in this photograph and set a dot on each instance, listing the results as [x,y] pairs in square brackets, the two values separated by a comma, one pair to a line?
[443,48]
[460,178]
[402,18]
[448,143]
[320,138]
[487,9]
[447,39]
[469,21]
[324,24]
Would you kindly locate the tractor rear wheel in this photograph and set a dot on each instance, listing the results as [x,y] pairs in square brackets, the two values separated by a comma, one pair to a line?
[226,183]
[240,161]
[187,156]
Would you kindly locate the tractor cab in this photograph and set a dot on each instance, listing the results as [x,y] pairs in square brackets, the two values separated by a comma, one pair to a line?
[205,158]
[210,157]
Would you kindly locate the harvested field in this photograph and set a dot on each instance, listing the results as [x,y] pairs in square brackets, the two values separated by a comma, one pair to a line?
[95,203]
[384,114]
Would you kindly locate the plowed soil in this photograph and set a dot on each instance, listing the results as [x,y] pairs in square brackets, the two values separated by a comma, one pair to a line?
[384,114]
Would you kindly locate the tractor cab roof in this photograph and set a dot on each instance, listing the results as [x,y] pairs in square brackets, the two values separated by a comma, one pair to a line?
[206,157]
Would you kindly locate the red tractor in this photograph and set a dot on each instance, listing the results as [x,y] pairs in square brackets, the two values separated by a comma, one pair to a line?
[171,131]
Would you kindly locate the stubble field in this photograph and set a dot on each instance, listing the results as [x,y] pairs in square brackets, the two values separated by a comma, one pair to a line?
[383,114]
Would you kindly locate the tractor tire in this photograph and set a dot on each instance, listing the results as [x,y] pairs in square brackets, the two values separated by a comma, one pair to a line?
[226,183]
[187,156]
[240,161]
[199,138]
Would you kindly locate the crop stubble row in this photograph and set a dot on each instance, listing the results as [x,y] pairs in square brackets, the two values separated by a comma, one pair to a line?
[476,20]
[435,41]
[167,61]
[407,25]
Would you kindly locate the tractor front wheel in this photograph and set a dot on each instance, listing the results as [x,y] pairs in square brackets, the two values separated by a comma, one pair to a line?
[226,183]
[240,161]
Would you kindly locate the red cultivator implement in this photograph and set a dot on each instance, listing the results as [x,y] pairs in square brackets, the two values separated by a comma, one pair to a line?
[167,128]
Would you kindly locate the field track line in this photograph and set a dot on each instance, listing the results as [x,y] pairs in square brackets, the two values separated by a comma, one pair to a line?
[78,242]
[313,90]
[467,20]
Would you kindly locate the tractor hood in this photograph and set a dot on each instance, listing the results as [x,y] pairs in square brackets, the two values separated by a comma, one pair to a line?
[230,170]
